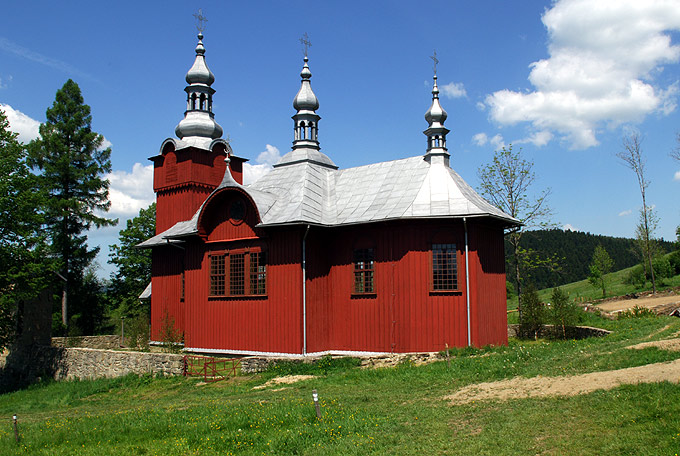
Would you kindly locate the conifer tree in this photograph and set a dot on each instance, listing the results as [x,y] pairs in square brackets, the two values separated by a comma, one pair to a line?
[71,165]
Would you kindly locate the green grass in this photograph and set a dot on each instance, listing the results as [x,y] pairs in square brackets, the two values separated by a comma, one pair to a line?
[382,411]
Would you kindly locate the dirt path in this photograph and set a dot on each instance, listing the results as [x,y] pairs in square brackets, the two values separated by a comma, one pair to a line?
[519,388]
[648,302]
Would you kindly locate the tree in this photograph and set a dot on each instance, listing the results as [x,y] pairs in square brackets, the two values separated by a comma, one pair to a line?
[631,155]
[22,244]
[134,265]
[72,165]
[600,266]
[563,313]
[532,318]
[505,183]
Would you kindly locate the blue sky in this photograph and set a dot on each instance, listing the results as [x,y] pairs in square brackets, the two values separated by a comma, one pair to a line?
[563,80]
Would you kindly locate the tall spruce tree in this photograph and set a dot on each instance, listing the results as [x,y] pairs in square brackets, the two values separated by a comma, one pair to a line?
[72,165]
[22,245]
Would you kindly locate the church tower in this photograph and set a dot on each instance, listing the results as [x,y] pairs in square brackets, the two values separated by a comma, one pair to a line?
[188,169]
[436,131]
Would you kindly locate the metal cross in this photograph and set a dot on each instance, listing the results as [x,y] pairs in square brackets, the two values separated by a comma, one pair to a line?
[305,42]
[435,60]
[200,20]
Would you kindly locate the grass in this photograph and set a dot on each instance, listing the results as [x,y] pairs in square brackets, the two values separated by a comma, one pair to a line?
[382,411]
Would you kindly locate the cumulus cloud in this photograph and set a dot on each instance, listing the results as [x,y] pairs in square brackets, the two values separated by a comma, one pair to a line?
[270,156]
[569,227]
[454,90]
[604,57]
[482,139]
[130,191]
[625,213]
[538,139]
[677,176]
[21,123]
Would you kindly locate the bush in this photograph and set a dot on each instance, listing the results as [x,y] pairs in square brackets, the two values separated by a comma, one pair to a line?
[636,277]
[674,260]
[137,332]
[171,337]
[636,312]
[662,267]
[563,313]
[532,314]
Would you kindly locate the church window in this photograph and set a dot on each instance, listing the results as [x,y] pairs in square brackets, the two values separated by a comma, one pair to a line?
[240,272]
[364,272]
[444,267]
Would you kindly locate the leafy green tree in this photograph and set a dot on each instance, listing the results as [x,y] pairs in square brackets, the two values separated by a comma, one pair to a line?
[600,266]
[25,269]
[72,165]
[631,156]
[563,313]
[506,183]
[134,265]
[531,320]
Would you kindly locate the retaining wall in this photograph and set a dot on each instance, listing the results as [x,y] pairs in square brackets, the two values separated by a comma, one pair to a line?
[101,342]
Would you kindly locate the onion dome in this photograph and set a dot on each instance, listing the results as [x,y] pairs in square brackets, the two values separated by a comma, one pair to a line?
[436,132]
[436,113]
[305,100]
[199,120]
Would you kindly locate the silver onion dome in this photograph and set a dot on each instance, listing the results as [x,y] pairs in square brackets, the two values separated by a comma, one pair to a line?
[305,100]
[199,120]
[436,114]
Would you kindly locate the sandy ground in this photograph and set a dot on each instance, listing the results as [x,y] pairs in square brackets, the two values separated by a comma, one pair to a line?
[286,380]
[648,302]
[519,388]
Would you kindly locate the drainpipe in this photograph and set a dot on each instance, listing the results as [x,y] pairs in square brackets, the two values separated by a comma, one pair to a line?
[304,292]
[467,283]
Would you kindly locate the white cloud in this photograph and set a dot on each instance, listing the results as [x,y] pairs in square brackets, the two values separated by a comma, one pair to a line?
[20,51]
[5,81]
[625,213]
[677,176]
[270,156]
[106,143]
[454,90]
[569,227]
[482,139]
[604,56]
[130,191]
[538,139]
[21,123]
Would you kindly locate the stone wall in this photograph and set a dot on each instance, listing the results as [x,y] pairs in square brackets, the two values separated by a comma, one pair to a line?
[71,363]
[101,342]
[573,332]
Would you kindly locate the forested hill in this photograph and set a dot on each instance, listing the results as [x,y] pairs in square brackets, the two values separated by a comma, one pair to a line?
[575,249]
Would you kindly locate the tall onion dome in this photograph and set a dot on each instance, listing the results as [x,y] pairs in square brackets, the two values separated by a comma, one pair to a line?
[436,132]
[199,119]
[306,120]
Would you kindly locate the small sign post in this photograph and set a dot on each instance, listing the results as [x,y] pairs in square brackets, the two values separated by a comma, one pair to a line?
[16,428]
[315,396]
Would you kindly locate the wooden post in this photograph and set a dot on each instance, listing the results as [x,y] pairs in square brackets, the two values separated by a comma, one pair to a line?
[315,396]
[16,428]
[448,360]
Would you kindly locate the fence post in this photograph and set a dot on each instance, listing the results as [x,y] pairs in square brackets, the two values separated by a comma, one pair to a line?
[315,396]
[16,428]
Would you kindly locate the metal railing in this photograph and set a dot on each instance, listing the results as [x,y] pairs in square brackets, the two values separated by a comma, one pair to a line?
[211,369]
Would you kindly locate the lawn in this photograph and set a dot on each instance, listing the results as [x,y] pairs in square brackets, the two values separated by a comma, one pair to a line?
[398,410]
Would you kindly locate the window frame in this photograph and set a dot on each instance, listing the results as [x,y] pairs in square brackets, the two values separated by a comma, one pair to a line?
[244,273]
[438,281]
[363,271]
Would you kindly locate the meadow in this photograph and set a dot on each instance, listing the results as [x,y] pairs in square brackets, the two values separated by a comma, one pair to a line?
[399,410]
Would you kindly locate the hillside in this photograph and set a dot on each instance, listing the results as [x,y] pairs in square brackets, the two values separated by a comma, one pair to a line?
[575,249]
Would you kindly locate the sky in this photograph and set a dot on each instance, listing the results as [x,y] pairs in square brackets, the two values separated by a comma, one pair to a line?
[564,80]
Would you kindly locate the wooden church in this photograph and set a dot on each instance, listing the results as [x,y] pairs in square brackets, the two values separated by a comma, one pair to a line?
[394,257]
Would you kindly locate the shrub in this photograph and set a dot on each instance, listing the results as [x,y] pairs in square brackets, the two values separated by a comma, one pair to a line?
[532,314]
[674,260]
[636,277]
[636,312]
[563,313]
[171,337]
[662,267]
[137,332]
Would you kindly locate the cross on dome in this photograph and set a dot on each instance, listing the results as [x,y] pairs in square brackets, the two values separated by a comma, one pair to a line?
[200,20]
[305,42]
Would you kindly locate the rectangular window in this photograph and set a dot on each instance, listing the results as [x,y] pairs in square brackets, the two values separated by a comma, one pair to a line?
[364,262]
[444,267]
[258,273]
[237,274]
[181,286]
[217,278]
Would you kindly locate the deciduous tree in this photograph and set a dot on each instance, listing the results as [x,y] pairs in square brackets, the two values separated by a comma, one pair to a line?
[600,266]
[72,164]
[631,156]
[134,265]
[506,183]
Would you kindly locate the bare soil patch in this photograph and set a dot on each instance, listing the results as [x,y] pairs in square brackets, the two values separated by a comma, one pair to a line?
[285,380]
[520,388]
[665,344]
[650,302]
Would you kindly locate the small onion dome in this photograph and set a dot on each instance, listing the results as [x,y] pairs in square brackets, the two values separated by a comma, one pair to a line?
[199,73]
[196,123]
[436,113]
[305,100]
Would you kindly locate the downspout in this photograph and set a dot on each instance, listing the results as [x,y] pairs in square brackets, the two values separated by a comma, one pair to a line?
[304,292]
[467,284]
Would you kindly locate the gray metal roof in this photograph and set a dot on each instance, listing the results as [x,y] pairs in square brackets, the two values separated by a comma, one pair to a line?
[308,192]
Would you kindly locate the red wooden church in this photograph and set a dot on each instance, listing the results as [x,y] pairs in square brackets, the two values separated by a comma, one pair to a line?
[401,256]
